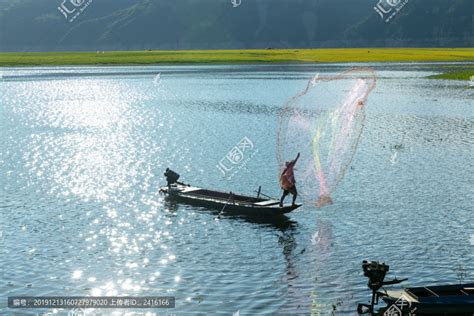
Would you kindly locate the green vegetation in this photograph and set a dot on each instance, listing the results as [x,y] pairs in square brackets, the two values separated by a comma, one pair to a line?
[455,75]
[237,56]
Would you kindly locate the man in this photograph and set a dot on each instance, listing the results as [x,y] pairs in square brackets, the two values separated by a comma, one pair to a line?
[287,181]
[171,177]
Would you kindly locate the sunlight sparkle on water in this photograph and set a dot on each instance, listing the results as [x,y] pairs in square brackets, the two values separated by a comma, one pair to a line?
[96,157]
[82,168]
[77,274]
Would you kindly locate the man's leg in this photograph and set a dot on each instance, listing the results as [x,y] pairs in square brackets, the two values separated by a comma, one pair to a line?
[295,194]
[285,193]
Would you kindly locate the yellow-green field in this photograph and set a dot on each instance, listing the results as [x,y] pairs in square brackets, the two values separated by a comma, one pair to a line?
[237,56]
[456,75]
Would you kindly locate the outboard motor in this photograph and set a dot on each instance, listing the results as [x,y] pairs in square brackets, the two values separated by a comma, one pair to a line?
[171,176]
[376,272]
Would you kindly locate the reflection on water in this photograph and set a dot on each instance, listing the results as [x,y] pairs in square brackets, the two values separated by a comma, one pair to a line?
[83,150]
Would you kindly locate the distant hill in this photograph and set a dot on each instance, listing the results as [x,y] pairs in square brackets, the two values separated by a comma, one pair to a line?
[32,25]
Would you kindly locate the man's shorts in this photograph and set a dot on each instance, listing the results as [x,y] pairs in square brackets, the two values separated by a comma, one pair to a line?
[291,190]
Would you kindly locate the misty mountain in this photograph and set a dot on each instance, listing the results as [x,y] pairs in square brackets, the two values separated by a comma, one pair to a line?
[32,25]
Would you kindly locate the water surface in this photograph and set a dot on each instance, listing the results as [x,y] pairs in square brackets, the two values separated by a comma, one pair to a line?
[83,149]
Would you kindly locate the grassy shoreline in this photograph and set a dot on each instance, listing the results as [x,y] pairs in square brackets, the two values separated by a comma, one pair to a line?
[455,75]
[159,57]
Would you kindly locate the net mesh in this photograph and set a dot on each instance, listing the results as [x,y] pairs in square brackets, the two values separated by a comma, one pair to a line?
[324,123]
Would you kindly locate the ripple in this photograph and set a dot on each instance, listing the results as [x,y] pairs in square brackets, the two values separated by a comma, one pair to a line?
[82,156]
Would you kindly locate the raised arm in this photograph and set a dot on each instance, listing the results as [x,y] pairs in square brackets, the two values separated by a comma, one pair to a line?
[296,159]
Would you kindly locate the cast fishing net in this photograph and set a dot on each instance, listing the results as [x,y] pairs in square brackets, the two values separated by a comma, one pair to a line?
[324,123]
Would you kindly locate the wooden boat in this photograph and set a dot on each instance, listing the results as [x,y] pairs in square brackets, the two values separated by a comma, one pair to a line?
[434,300]
[226,202]
[426,300]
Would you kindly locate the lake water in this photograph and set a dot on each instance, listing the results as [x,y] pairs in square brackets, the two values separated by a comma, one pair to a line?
[83,150]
